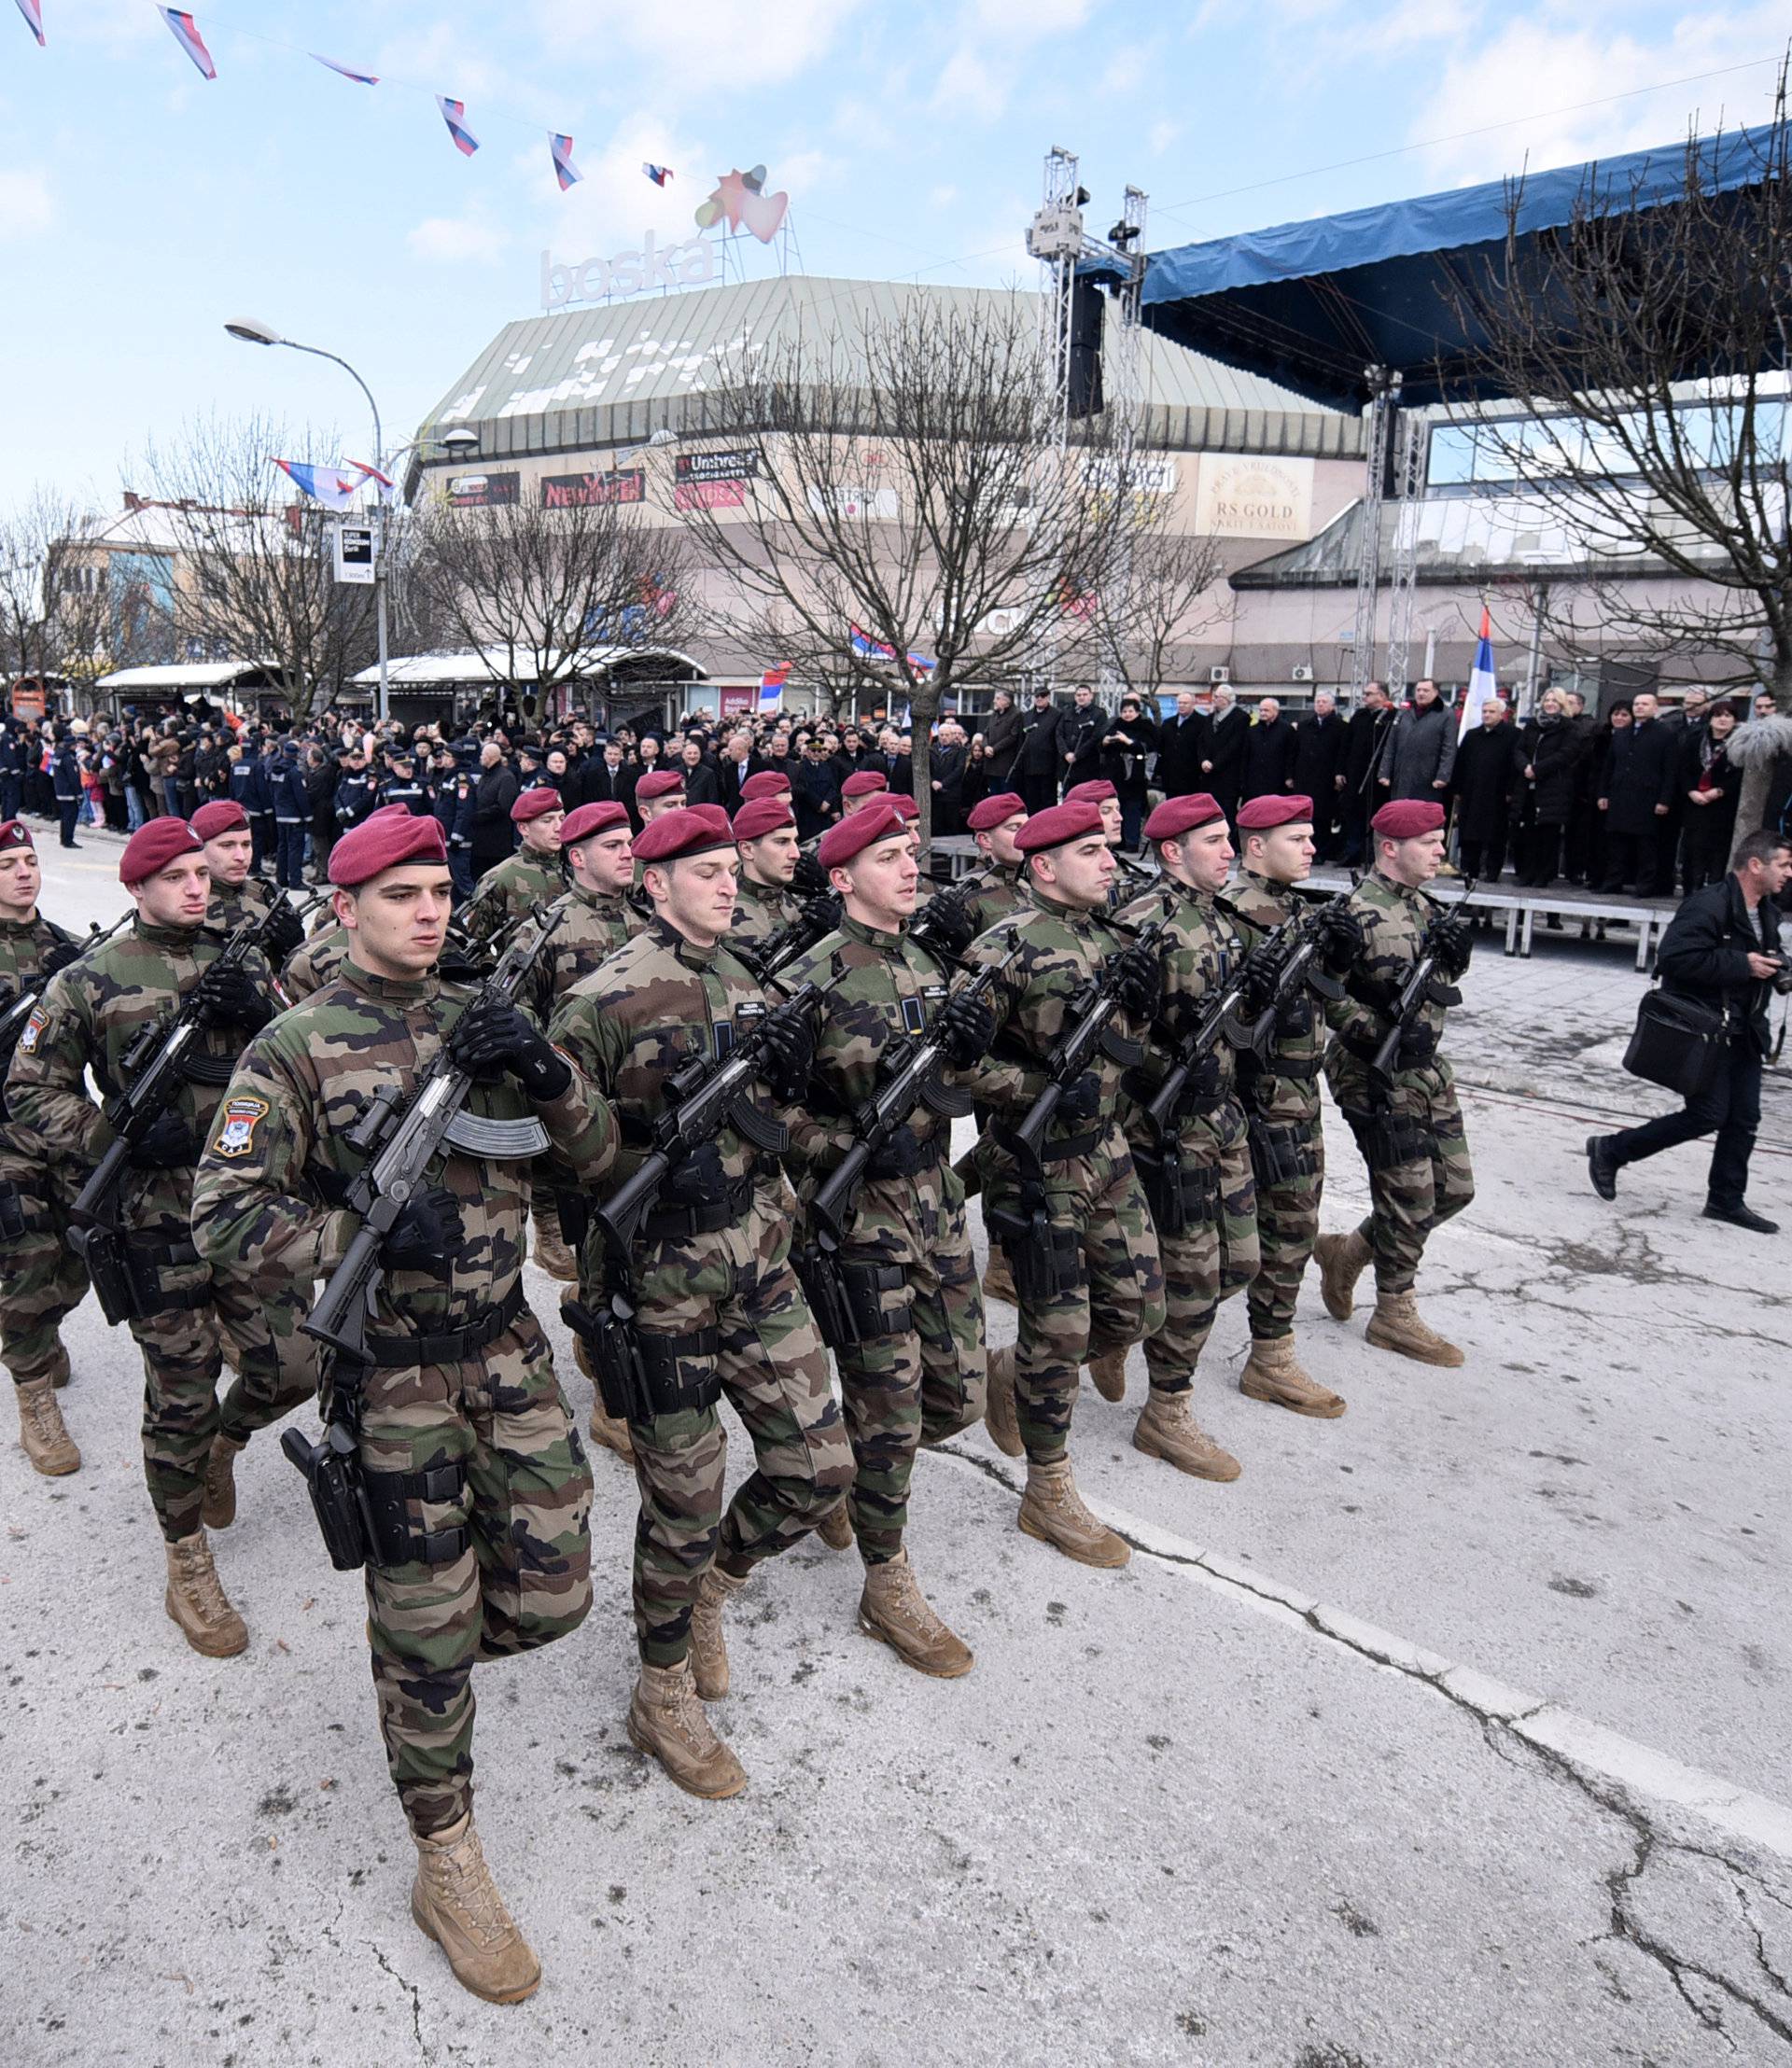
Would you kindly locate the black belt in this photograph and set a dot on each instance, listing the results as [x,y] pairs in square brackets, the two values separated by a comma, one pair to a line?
[1301,1072]
[163,1255]
[704,1220]
[396,1352]
[1071,1145]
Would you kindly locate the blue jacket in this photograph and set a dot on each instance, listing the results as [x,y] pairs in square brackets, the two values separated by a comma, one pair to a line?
[290,797]
[249,787]
[405,791]
[353,797]
[454,806]
[67,774]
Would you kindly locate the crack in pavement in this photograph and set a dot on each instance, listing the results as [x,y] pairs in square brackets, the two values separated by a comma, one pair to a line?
[412,1990]
[1499,1731]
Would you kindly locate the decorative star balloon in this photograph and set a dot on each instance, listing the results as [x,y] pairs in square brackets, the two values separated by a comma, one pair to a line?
[740,201]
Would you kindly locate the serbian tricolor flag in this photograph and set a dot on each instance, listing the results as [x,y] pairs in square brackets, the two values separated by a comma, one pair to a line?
[346,71]
[34,14]
[564,171]
[185,31]
[332,486]
[659,174]
[867,648]
[369,473]
[771,686]
[1482,681]
[454,114]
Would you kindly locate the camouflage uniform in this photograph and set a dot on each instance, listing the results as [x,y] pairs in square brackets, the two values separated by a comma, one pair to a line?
[590,931]
[90,1014]
[234,902]
[1092,1198]
[521,884]
[1216,1254]
[762,910]
[991,893]
[307,970]
[718,1281]
[492,1418]
[1281,1097]
[1415,1146]
[924,1379]
[44,1280]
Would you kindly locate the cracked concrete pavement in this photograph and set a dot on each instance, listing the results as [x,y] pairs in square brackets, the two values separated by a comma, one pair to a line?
[1452,1730]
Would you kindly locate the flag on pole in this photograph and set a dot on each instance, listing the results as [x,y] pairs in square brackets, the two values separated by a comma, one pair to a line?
[454,114]
[32,11]
[332,486]
[185,31]
[1483,680]
[346,71]
[564,171]
[659,174]
[372,474]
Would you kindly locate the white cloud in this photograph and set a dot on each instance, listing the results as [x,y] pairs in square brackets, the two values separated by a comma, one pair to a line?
[26,208]
[1031,20]
[941,197]
[968,82]
[702,42]
[1124,71]
[1160,136]
[471,239]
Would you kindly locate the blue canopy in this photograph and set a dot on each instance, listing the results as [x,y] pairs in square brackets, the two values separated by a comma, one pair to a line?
[1313,304]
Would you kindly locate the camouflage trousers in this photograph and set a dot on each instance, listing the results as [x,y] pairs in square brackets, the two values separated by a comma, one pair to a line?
[524,1499]
[925,1380]
[1214,1257]
[183,1348]
[1097,1208]
[773,1371]
[1417,1151]
[1287,1220]
[42,1282]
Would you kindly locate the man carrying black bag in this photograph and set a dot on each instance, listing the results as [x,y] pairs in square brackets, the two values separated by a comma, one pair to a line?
[1722,950]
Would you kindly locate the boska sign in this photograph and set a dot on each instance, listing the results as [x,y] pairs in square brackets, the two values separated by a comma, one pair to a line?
[690,265]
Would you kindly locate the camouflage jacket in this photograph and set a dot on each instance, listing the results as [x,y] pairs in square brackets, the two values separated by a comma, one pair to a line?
[234,902]
[1257,907]
[89,1016]
[277,1164]
[522,883]
[590,931]
[991,893]
[310,968]
[762,911]
[23,948]
[880,989]
[1394,921]
[1200,955]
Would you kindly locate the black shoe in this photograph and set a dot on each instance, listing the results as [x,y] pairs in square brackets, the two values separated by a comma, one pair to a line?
[1741,1216]
[1601,1167]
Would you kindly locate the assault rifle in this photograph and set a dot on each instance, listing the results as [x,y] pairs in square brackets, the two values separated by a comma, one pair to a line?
[464,958]
[1423,987]
[818,918]
[1293,947]
[14,1011]
[944,926]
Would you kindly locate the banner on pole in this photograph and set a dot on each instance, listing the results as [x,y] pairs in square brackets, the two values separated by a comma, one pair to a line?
[353,553]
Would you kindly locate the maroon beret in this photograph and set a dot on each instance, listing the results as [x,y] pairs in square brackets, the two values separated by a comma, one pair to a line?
[591,819]
[866,783]
[658,782]
[903,805]
[1263,813]
[690,830]
[1057,827]
[853,835]
[1099,792]
[388,811]
[378,844]
[769,782]
[14,832]
[1407,817]
[153,847]
[536,804]
[1177,815]
[996,811]
[761,815]
[226,815]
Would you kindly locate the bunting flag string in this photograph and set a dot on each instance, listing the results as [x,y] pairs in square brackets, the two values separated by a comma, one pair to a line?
[333,486]
[564,171]
[346,71]
[185,31]
[659,174]
[32,11]
[384,481]
[454,114]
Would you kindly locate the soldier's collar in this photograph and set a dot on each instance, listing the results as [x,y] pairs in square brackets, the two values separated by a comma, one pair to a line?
[872,937]
[1076,915]
[597,900]
[167,937]
[1402,890]
[405,990]
[687,951]
[22,926]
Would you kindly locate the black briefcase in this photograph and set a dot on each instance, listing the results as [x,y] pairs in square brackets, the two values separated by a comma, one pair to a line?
[1678,1045]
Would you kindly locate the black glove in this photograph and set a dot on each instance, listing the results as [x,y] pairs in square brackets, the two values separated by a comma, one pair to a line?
[1341,938]
[1082,1098]
[966,1027]
[698,1180]
[167,1144]
[1140,983]
[811,879]
[900,1156]
[455,965]
[285,931]
[1262,966]
[229,996]
[1454,942]
[426,1234]
[495,1035]
[821,911]
[789,1051]
[944,923]
[1417,1044]
[61,956]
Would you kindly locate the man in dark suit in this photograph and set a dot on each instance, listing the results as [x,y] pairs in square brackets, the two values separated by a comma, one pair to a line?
[1182,748]
[1080,732]
[603,778]
[1636,795]
[1001,733]
[1268,769]
[1364,736]
[1319,769]
[946,765]
[737,765]
[1038,764]
[1222,764]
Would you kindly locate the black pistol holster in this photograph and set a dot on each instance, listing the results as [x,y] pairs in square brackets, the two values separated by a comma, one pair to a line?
[1181,1195]
[1044,1261]
[640,1372]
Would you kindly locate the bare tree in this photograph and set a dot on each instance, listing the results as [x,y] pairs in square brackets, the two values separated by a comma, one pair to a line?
[253,576]
[1156,596]
[54,599]
[908,517]
[548,590]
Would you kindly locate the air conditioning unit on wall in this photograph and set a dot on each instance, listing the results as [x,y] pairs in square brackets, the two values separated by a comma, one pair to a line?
[1219,675]
[1300,675]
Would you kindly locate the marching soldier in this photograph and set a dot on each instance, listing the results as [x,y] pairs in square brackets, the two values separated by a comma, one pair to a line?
[1204,1191]
[1280,1096]
[89,1017]
[719,1310]
[916,1374]
[766,834]
[1089,1281]
[1410,1131]
[236,896]
[659,792]
[1098,792]
[308,969]
[478,1486]
[527,881]
[43,1281]
[995,887]
[859,790]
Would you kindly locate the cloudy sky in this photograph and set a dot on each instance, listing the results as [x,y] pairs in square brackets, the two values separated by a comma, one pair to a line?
[141,205]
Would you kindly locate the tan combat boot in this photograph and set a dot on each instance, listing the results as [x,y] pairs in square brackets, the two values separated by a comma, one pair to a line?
[59,1376]
[551,1254]
[1273,1372]
[197,1601]
[1167,1430]
[1395,1325]
[666,1719]
[894,1610]
[708,1648]
[835,1528]
[999,1416]
[1342,1260]
[219,1509]
[455,1903]
[48,1443]
[606,1428]
[1052,1510]
[998,1279]
[1109,1373]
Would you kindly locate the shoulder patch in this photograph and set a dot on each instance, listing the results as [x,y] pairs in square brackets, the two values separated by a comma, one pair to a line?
[35,1026]
[241,1117]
